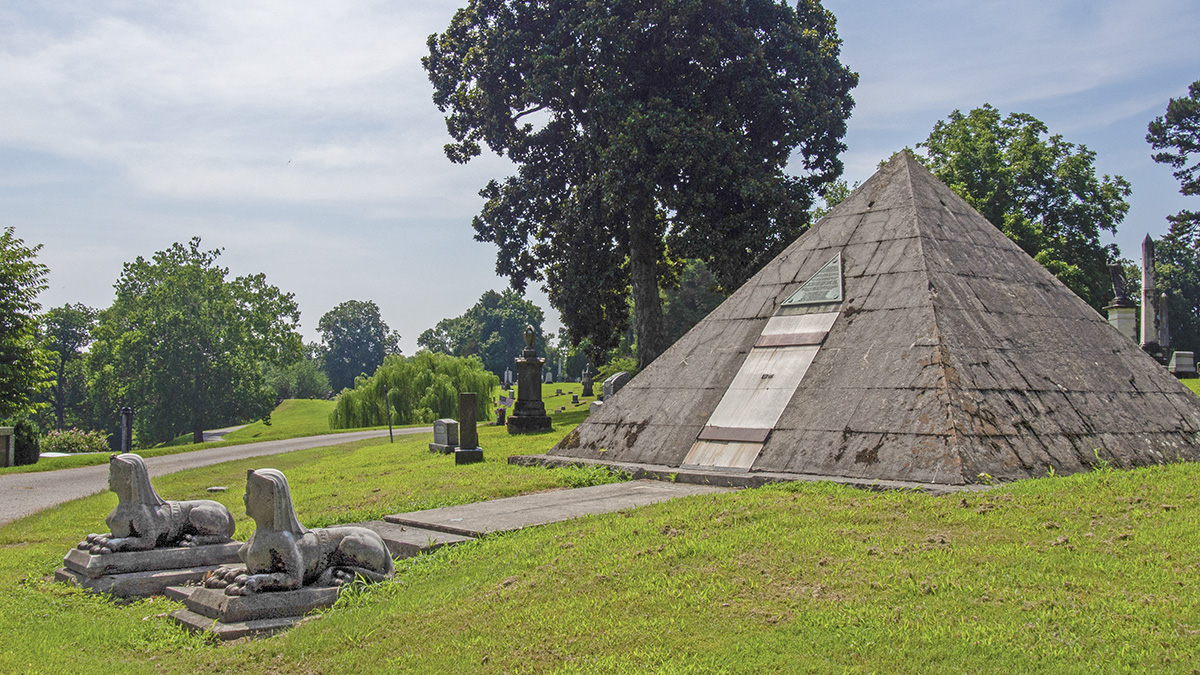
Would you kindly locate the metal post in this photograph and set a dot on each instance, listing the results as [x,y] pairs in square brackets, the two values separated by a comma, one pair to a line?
[126,429]
[388,407]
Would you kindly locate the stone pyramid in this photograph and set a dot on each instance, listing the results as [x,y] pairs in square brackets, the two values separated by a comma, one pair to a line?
[902,337]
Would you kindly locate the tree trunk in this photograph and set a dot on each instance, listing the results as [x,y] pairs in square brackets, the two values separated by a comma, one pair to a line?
[644,247]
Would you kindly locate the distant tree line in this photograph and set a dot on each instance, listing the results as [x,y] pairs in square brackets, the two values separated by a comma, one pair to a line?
[185,345]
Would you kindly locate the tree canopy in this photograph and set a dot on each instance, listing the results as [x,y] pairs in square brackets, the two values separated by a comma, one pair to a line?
[184,346]
[1039,189]
[66,331]
[418,389]
[1176,137]
[23,362]
[355,339]
[642,132]
[492,329]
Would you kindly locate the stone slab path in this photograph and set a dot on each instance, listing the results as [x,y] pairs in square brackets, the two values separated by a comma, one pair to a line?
[24,493]
[514,513]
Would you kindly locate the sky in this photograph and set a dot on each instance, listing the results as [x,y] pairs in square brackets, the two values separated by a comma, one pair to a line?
[301,139]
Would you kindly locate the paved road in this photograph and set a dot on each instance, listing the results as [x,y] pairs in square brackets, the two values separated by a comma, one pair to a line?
[24,493]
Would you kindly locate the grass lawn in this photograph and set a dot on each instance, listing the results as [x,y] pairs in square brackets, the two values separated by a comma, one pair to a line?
[1088,573]
[1193,384]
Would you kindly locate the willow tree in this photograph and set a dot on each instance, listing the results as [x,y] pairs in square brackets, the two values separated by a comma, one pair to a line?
[641,132]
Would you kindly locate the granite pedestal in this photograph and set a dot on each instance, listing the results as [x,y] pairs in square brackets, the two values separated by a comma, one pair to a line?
[234,616]
[139,574]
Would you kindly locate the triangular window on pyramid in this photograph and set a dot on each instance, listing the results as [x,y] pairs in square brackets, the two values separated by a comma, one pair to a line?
[823,287]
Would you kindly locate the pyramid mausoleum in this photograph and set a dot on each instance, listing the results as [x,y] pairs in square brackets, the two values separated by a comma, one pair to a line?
[901,338]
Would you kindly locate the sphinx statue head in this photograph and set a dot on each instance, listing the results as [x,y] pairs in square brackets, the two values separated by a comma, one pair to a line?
[128,477]
[268,496]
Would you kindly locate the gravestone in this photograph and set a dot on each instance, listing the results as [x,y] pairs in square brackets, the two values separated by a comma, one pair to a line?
[445,436]
[8,447]
[587,380]
[469,452]
[549,376]
[1122,310]
[613,384]
[500,415]
[558,392]
[508,378]
[575,399]
[529,412]
[1183,364]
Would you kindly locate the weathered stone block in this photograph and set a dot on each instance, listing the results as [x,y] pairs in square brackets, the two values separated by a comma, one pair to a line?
[94,566]
[445,436]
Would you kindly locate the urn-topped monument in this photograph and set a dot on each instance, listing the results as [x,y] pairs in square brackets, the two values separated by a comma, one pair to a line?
[529,413]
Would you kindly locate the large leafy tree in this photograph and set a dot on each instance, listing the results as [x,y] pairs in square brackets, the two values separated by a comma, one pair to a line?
[640,128]
[184,345]
[1176,138]
[66,331]
[23,362]
[1039,189]
[492,329]
[355,339]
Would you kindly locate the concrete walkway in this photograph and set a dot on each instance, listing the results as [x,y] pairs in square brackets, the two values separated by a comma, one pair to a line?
[24,493]
[409,534]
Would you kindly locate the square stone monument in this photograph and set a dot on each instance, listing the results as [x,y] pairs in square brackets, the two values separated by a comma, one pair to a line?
[1183,364]
[470,452]
[445,436]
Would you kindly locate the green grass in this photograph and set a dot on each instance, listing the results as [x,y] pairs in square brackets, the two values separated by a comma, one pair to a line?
[1193,384]
[1082,574]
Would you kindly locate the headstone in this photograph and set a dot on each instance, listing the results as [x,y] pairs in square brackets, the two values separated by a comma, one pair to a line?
[8,447]
[508,378]
[613,384]
[1183,364]
[549,377]
[500,415]
[1122,310]
[470,452]
[529,412]
[575,399]
[587,380]
[445,436]
[467,433]
[558,392]
[594,407]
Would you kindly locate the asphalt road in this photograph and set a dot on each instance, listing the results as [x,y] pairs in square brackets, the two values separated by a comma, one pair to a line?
[24,493]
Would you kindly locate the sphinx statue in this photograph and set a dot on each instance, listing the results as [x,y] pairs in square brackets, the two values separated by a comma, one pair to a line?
[143,521]
[283,555]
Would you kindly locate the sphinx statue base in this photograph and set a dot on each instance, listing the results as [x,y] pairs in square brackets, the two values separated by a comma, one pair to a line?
[230,617]
[140,574]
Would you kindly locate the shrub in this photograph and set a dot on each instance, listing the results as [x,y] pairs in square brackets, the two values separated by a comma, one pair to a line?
[74,440]
[25,441]
[626,363]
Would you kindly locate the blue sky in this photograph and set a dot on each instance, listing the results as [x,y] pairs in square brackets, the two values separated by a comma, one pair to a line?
[300,136]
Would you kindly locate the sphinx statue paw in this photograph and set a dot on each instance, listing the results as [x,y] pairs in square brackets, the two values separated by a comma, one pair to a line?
[91,541]
[188,541]
[245,584]
[340,577]
[223,577]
